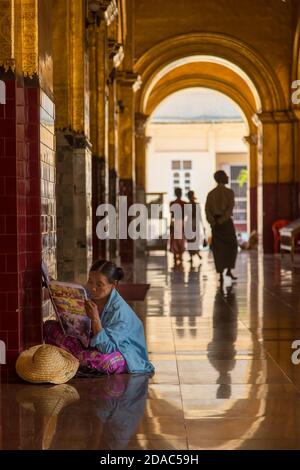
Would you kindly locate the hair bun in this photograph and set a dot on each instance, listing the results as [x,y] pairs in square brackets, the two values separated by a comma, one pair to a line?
[119,274]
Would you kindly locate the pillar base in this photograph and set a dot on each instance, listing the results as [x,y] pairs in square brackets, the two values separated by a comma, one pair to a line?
[74,207]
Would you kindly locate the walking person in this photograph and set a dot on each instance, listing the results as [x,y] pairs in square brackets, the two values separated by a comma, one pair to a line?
[195,223]
[219,209]
[177,238]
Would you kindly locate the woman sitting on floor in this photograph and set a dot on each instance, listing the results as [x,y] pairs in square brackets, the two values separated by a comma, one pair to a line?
[118,344]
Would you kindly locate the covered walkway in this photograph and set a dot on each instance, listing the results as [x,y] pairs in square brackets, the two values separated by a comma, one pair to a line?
[224,376]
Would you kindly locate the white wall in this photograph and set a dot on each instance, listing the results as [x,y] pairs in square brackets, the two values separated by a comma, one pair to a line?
[198,142]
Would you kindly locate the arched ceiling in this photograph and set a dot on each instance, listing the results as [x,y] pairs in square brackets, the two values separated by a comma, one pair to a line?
[208,75]
[219,50]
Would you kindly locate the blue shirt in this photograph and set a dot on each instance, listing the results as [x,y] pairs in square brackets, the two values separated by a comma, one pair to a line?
[123,331]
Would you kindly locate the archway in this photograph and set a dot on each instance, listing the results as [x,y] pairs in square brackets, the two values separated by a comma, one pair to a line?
[227,65]
[194,132]
[233,68]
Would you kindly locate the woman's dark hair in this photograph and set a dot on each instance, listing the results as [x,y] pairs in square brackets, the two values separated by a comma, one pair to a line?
[108,269]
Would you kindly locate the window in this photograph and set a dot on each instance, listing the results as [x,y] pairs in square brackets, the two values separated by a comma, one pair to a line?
[187,164]
[176,164]
[239,185]
[181,178]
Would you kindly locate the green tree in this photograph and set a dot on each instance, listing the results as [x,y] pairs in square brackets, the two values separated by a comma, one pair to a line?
[243,177]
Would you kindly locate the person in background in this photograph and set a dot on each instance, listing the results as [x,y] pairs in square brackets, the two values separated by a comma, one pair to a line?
[219,209]
[177,240]
[196,223]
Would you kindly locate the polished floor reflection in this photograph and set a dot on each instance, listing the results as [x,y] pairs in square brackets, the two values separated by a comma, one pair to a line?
[224,376]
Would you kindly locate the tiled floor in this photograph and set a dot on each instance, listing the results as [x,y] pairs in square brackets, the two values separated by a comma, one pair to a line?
[224,377]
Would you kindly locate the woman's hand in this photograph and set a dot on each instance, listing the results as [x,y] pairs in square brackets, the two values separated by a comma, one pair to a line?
[93,314]
[91,309]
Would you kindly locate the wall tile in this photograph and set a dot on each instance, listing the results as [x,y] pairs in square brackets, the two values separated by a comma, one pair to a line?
[2,186]
[20,212]
[3,302]
[7,204]
[2,147]
[33,114]
[11,263]
[3,336]
[10,147]
[2,224]
[10,91]
[2,265]
[9,128]
[8,243]
[20,96]
[7,282]
[8,166]
[11,224]
[10,186]
[10,111]
[13,339]
[12,303]
[33,224]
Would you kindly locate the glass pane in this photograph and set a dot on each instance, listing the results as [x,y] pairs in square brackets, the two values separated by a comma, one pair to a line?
[235,171]
[239,191]
[240,217]
[176,165]
[241,205]
[187,165]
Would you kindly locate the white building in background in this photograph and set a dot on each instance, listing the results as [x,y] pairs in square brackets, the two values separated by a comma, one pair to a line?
[193,134]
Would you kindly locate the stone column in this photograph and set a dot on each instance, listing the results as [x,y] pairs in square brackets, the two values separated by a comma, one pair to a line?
[277,196]
[74,215]
[74,187]
[99,127]
[116,56]
[127,83]
[252,140]
[113,156]
[141,141]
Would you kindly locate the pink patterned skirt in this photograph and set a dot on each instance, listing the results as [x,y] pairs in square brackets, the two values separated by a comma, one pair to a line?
[177,245]
[90,358]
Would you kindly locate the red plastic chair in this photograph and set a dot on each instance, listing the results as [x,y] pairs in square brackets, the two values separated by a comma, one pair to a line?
[278,224]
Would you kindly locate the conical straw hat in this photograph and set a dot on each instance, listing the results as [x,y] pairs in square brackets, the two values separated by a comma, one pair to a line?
[46,364]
